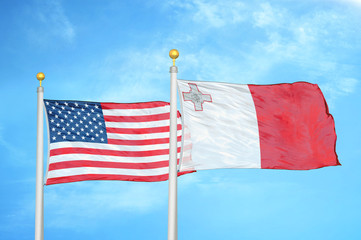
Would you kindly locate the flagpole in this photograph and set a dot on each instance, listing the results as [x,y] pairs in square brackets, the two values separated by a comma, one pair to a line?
[39,194]
[172,188]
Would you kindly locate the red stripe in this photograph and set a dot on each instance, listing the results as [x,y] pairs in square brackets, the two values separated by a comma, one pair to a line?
[141,142]
[296,130]
[141,130]
[133,105]
[105,152]
[145,118]
[188,147]
[101,164]
[85,177]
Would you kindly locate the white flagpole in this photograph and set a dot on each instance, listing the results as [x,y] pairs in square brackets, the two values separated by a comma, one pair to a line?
[39,197]
[172,189]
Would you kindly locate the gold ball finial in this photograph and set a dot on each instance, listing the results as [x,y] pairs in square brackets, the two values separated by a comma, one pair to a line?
[173,54]
[40,76]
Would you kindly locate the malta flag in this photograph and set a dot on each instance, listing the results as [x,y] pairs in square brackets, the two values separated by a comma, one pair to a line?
[281,126]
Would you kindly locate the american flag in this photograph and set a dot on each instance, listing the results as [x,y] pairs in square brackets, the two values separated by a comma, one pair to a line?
[108,141]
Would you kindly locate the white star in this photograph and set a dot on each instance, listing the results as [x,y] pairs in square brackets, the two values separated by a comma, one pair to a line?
[88,114]
[50,112]
[72,108]
[63,129]
[78,133]
[102,139]
[64,137]
[91,130]
[87,134]
[76,104]
[95,127]
[59,112]
[62,107]
[86,126]
[82,109]
[78,113]
[59,133]
[69,112]
[47,103]
[61,120]
[90,123]
[56,103]
[81,121]
[52,120]
[96,106]
[54,138]
[72,129]
[71,120]
[82,129]
[97,135]
[53,107]
[65,103]
[94,119]
[75,117]
[100,123]
[73,136]
[92,110]
[68,133]
[56,116]
[82,137]
[58,124]
[86,105]
[98,115]
[92,139]
[84,118]
[53,129]
[66,116]
[76,125]
[67,124]
[101,131]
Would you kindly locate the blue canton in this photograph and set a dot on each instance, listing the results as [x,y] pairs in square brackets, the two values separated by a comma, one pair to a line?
[75,121]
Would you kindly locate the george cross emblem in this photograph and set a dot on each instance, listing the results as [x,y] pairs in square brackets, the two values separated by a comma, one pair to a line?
[195,96]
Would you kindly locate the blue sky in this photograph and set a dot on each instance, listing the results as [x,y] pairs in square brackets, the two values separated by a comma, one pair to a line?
[118,51]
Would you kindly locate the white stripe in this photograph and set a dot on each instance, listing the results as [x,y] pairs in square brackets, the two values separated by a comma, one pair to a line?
[109,146]
[141,136]
[136,112]
[115,171]
[161,123]
[102,158]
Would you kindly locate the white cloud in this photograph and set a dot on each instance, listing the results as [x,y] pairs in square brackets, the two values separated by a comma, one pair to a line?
[53,23]
[338,87]
[213,13]
[311,43]
[219,13]
[269,16]
[134,75]
[52,14]
[19,215]
[77,204]
[348,85]
[353,2]
[14,152]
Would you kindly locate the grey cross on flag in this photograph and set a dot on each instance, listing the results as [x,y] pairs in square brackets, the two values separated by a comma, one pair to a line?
[196,96]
